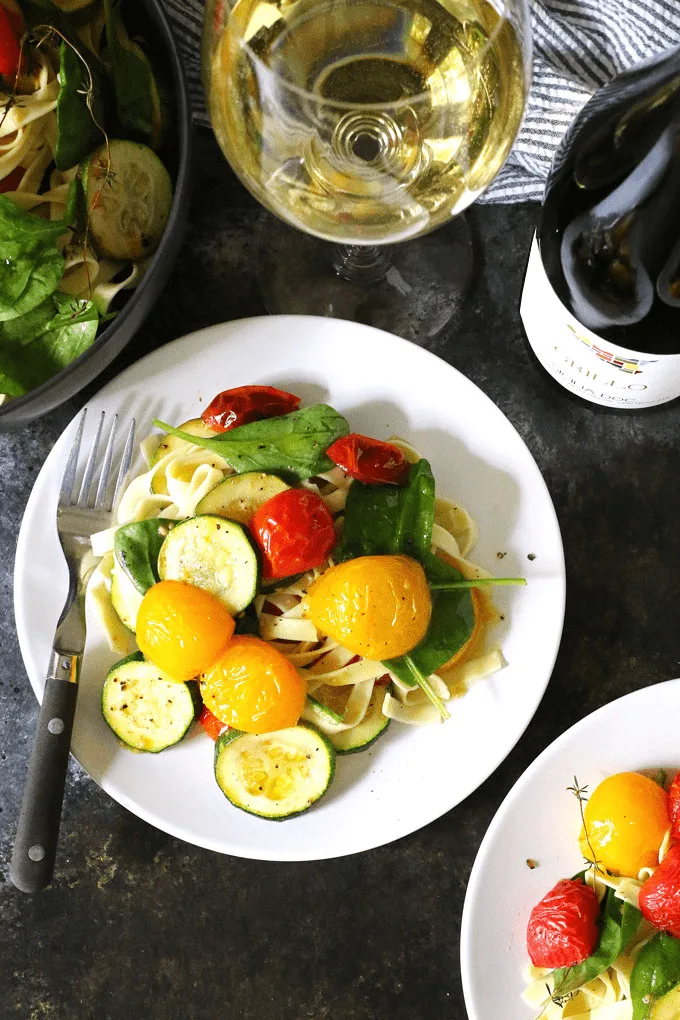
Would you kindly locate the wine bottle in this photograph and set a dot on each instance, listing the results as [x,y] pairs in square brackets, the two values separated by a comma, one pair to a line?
[601,298]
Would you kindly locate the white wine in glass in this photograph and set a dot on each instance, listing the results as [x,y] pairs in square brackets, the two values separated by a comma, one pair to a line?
[365,123]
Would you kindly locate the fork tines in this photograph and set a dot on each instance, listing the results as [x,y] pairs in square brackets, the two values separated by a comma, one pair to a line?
[73,495]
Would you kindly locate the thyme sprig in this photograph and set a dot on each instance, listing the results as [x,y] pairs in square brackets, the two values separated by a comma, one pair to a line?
[581,794]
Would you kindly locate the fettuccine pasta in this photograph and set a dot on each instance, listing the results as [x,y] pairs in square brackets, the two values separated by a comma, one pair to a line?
[172,487]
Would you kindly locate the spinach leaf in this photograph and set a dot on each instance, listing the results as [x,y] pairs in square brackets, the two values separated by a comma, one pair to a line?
[136,547]
[40,343]
[656,972]
[618,923]
[417,512]
[137,96]
[451,625]
[385,519]
[31,265]
[371,521]
[247,622]
[293,444]
[77,131]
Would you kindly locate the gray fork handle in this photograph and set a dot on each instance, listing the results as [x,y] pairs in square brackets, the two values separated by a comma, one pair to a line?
[35,845]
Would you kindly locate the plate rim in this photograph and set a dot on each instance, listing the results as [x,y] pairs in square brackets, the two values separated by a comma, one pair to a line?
[487,844]
[225,331]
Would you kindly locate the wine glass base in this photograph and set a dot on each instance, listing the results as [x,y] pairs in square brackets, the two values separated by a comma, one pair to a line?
[411,289]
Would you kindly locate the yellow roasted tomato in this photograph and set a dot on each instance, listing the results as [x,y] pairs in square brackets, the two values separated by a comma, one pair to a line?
[625,822]
[253,687]
[182,629]
[375,606]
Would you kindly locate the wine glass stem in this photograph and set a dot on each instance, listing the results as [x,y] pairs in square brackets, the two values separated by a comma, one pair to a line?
[361,263]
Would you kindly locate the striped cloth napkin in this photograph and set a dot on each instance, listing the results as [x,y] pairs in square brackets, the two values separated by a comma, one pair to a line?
[578,45]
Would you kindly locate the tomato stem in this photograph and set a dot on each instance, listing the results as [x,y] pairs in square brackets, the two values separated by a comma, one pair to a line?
[426,686]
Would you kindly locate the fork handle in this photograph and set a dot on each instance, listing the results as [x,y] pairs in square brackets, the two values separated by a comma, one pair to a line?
[35,845]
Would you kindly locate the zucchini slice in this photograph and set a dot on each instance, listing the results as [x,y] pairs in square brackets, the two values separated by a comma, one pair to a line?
[129,195]
[125,598]
[274,775]
[239,496]
[195,455]
[372,726]
[144,707]
[215,554]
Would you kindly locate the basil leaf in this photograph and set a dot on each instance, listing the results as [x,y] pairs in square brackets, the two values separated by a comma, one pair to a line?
[656,972]
[137,97]
[293,444]
[386,520]
[40,343]
[77,132]
[618,923]
[31,265]
[136,547]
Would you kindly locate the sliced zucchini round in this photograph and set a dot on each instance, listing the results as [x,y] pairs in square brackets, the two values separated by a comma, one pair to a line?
[372,726]
[239,496]
[144,707]
[274,775]
[129,196]
[215,554]
[196,455]
[125,598]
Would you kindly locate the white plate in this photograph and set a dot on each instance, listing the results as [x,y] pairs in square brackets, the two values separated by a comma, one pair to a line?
[385,386]
[540,819]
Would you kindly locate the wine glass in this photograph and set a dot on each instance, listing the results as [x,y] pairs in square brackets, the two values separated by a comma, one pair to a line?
[366,123]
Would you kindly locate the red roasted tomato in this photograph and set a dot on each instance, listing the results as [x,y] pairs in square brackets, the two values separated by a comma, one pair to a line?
[210,723]
[294,531]
[562,929]
[660,894]
[247,403]
[370,460]
[10,48]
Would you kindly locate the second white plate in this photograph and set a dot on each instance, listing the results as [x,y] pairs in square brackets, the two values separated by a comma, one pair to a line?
[385,386]
[539,820]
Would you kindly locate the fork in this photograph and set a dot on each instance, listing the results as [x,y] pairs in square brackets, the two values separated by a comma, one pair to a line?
[78,517]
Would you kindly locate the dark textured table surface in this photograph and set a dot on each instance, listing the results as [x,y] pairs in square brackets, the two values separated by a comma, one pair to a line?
[140,926]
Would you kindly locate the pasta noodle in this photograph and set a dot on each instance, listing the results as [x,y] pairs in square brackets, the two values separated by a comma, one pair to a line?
[173,485]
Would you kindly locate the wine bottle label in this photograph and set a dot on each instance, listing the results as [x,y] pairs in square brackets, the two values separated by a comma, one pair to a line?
[583,362]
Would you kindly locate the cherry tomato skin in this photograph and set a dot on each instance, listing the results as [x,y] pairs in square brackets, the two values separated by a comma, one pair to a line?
[562,929]
[370,460]
[10,50]
[660,894]
[673,804]
[15,16]
[210,723]
[244,404]
[12,181]
[294,532]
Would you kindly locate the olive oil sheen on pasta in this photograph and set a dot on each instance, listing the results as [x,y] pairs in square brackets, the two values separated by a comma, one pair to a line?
[366,121]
